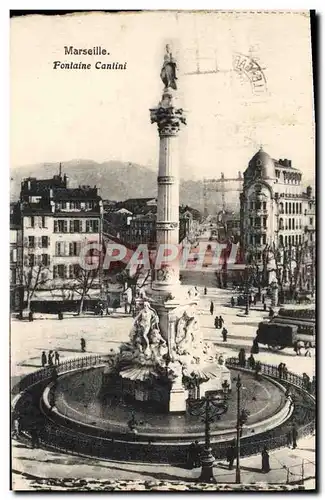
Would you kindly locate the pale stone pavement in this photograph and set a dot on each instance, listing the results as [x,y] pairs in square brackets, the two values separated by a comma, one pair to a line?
[28,340]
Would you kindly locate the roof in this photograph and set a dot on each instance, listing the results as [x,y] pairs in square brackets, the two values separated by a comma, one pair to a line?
[76,193]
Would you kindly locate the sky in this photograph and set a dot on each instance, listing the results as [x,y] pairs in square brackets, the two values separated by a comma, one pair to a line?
[60,115]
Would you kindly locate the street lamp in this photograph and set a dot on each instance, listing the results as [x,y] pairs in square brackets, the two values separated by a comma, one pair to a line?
[210,407]
[242,416]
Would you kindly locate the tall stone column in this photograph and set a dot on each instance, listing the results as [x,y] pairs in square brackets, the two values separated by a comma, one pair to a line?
[169,119]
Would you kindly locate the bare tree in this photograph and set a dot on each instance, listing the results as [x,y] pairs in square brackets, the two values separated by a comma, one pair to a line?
[34,277]
[84,282]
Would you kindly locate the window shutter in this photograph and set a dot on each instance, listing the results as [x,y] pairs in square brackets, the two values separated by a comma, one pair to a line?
[56,226]
[26,241]
[71,226]
[57,248]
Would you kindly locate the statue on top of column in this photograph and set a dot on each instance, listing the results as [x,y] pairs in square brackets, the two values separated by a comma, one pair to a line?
[168,71]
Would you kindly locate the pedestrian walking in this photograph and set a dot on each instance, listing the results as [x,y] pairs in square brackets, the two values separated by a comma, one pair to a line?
[231,455]
[280,370]
[56,358]
[255,299]
[300,345]
[308,350]
[224,334]
[211,308]
[50,358]
[30,316]
[205,290]
[83,344]
[263,299]
[251,362]
[60,315]
[216,322]
[43,359]
[221,321]
[232,301]
[194,455]
[265,461]
[264,307]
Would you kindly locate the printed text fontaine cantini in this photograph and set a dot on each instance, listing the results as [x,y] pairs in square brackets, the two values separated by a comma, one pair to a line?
[99,52]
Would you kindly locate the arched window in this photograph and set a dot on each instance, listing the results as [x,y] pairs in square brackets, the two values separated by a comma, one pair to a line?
[281,240]
[281,224]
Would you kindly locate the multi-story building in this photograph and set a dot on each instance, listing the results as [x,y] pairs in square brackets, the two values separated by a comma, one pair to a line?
[16,258]
[56,222]
[276,212]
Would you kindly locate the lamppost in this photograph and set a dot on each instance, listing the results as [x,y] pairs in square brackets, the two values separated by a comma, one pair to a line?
[210,407]
[242,416]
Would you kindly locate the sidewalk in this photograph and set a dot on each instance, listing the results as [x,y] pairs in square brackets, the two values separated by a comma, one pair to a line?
[44,464]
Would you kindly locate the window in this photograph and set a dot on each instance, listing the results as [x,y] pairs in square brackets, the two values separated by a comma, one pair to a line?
[43,221]
[59,248]
[251,221]
[31,241]
[300,208]
[289,224]
[60,226]
[296,239]
[286,208]
[280,224]
[45,259]
[258,205]
[293,208]
[264,205]
[45,241]
[257,239]
[59,271]
[252,205]
[281,240]
[300,239]
[289,208]
[63,205]
[264,222]
[76,226]
[251,239]
[31,260]
[293,224]
[32,221]
[258,221]
[92,226]
[285,240]
[264,239]
[311,221]
[75,205]
[74,248]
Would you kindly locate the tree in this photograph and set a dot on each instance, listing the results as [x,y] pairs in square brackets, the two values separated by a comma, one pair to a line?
[34,277]
[83,283]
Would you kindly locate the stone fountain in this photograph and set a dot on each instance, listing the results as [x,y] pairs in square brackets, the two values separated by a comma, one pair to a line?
[166,360]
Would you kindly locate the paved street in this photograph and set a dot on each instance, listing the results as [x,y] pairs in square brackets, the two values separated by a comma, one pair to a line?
[28,340]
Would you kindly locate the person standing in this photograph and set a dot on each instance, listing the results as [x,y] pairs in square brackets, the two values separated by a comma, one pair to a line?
[50,358]
[224,334]
[221,321]
[251,362]
[216,322]
[56,358]
[294,436]
[43,359]
[232,302]
[255,348]
[265,460]
[83,344]
[231,454]
[205,290]
[211,308]
[280,370]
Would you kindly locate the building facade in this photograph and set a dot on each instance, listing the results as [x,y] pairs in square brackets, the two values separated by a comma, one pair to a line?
[276,213]
[56,222]
[16,258]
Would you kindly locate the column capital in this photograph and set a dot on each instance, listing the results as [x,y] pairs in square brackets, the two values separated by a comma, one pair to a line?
[168,119]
